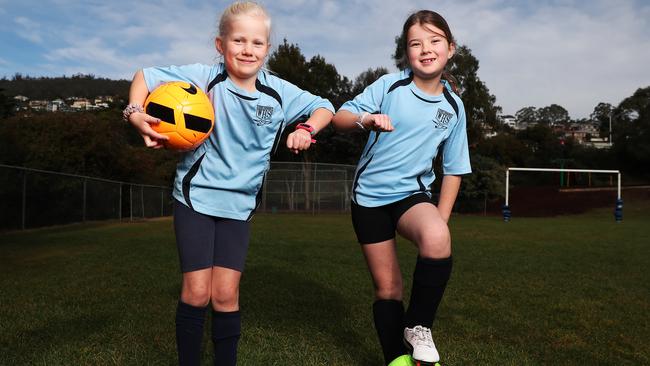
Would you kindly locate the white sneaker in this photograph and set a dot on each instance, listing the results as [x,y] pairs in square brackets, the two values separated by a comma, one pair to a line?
[418,340]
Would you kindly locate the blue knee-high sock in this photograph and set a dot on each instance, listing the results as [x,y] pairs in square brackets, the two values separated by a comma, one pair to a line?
[389,323]
[429,283]
[189,333]
[226,329]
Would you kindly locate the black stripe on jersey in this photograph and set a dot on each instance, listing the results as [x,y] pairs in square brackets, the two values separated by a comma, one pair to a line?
[433,163]
[399,83]
[242,96]
[276,141]
[424,100]
[219,78]
[356,179]
[374,142]
[419,179]
[423,188]
[268,90]
[450,99]
[188,178]
[258,199]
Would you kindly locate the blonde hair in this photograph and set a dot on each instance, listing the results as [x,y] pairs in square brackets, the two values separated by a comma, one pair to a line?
[239,8]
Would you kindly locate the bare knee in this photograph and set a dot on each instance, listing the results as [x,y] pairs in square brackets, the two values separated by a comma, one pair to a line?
[389,291]
[435,242]
[225,298]
[196,294]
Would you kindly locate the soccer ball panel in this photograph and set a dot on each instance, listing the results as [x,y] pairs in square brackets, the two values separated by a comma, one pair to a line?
[186,112]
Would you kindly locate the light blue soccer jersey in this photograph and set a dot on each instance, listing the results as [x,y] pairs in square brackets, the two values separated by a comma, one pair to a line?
[397,164]
[223,176]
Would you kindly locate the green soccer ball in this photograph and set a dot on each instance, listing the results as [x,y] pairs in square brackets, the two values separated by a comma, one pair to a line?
[404,360]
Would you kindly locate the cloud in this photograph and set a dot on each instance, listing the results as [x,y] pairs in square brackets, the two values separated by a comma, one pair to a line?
[530,53]
[28,29]
[572,56]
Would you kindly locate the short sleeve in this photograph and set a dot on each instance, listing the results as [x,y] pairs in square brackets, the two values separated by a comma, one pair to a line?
[369,100]
[197,74]
[455,158]
[298,103]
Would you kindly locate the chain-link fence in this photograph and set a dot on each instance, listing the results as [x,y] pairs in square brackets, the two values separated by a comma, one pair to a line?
[32,198]
[307,187]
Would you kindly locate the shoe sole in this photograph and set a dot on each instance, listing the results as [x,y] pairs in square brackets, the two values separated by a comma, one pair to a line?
[409,348]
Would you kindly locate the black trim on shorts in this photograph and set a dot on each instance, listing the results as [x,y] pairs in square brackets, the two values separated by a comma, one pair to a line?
[378,224]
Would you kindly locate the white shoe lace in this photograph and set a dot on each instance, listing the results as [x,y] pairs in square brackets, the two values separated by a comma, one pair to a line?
[423,336]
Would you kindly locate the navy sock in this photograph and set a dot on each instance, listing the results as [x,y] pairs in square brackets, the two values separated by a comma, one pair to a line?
[389,323]
[189,333]
[226,329]
[429,283]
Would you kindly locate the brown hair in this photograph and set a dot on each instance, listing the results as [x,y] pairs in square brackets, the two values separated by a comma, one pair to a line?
[424,17]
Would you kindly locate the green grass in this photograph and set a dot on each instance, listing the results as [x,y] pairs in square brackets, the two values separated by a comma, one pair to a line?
[536,291]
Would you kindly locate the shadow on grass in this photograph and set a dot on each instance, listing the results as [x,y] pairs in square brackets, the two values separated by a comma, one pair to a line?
[288,304]
[56,334]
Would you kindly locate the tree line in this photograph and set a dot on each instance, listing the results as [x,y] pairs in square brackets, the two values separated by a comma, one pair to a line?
[101,144]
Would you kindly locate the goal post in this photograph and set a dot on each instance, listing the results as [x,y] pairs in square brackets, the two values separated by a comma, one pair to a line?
[618,212]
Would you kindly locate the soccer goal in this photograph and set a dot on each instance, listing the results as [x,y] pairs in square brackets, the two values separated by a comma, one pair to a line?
[618,212]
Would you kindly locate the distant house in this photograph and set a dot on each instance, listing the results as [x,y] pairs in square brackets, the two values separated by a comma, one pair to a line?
[38,105]
[57,105]
[509,120]
[80,104]
[21,98]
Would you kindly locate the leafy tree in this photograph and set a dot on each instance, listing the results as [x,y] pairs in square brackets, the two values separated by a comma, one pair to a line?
[486,183]
[7,105]
[601,115]
[553,115]
[632,133]
[95,144]
[506,149]
[320,78]
[289,63]
[527,114]
[50,88]
[543,144]
[366,78]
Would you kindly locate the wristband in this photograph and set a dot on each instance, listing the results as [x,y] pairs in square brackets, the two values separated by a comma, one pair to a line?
[130,109]
[360,118]
[308,128]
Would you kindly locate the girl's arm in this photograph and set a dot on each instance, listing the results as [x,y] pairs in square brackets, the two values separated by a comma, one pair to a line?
[448,192]
[301,139]
[346,120]
[141,121]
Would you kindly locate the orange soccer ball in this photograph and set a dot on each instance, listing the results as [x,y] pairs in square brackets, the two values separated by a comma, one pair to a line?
[185,112]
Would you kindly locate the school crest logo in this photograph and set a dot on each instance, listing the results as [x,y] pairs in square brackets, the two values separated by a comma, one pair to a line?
[263,115]
[442,119]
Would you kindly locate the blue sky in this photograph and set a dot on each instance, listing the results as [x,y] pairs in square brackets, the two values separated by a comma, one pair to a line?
[532,53]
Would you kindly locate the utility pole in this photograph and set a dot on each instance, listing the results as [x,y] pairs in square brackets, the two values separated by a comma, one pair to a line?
[610,129]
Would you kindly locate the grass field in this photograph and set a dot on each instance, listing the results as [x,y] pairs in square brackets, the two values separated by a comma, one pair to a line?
[536,291]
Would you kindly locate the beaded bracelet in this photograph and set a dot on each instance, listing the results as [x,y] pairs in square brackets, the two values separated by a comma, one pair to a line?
[130,109]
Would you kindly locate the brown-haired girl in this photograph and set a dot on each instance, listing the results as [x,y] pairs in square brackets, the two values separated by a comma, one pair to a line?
[413,116]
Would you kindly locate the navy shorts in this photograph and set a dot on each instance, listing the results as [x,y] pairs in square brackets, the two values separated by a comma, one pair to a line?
[377,224]
[205,241]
